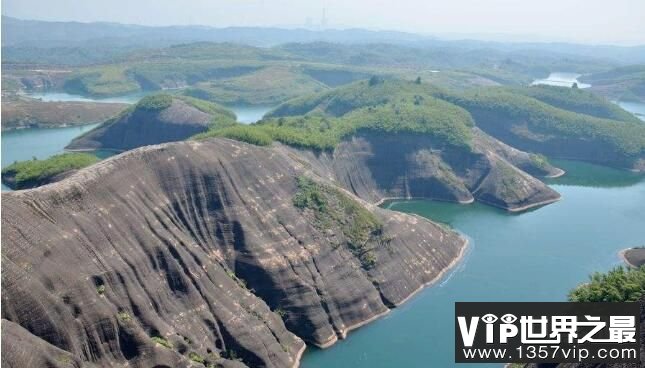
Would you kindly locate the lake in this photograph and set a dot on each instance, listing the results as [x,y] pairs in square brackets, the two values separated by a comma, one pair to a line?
[635,108]
[245,114]
[24,144]
[562,79]
[535,256]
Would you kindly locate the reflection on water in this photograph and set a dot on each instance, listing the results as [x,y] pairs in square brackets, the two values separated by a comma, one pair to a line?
[591,175]
[562,79]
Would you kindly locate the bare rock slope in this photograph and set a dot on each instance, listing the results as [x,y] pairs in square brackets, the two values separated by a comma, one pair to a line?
[375,166]
[213,251]
[142,125]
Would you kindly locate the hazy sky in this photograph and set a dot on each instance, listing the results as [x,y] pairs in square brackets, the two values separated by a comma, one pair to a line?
[592,21]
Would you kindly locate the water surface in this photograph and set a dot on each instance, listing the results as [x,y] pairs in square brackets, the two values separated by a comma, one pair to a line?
[245,114]
[562,79]
[535,256]
[41,143]
[635,108]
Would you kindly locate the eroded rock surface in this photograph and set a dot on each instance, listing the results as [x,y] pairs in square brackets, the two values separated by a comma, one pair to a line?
[375,166]
[139,127]
[196,249]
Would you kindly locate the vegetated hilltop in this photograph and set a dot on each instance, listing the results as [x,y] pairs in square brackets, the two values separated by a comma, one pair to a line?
[532,125]
[21,113]
[34,173]
[625,83]
[155,119]
[211,251]
[392,138]
[577,100]
[617,285]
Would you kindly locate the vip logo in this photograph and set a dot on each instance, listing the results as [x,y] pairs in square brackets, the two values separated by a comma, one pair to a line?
[506,329]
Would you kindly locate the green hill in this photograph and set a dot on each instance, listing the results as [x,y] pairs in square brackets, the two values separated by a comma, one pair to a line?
[577,100]
[321,121]
[532,125]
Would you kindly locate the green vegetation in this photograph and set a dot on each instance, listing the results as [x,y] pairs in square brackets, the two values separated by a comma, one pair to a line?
[162,341]
[539,160]
[244,133]
[503,107]
[155,102]
[332,209]
[196,357]
[107,80]
[35,171]
[577,100]
[617,285]
[100,289]
[387,107]
[626,83]
[124,316]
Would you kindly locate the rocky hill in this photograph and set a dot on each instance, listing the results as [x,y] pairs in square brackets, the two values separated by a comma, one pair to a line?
[155,119]
[214,252]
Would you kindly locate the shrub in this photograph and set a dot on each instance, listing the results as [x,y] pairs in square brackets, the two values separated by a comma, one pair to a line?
[100,289]
[38,170]
[124,316]
[335,210]
[243,133]
[196,357]
[155,102]
[161,341]
[617,285]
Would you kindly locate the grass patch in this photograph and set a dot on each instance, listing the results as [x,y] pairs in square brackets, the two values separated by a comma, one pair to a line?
[196,357]
[333,210]
[100,289]
[161,341]
[34,171]
[617,285]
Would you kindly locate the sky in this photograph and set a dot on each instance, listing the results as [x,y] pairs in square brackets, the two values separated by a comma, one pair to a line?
[584,21]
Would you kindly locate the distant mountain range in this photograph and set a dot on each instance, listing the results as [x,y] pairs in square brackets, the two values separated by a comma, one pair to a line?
[18,35]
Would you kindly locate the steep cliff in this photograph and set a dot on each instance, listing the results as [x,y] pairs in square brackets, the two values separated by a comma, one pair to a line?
[155,119]
[375,166]
[213,251]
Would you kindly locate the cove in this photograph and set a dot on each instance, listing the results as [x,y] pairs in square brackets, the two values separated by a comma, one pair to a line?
[534,256]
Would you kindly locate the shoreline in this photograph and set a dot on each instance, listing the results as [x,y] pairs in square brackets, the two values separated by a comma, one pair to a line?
[462,252]
[623,256]
[557,174]
[509,209]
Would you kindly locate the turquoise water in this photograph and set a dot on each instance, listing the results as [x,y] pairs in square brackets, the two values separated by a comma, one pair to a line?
[24,144]
[535,256]
[245,114]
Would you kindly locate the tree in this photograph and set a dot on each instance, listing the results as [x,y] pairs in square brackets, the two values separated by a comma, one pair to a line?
[375,80]
[575,85]
[418,80]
